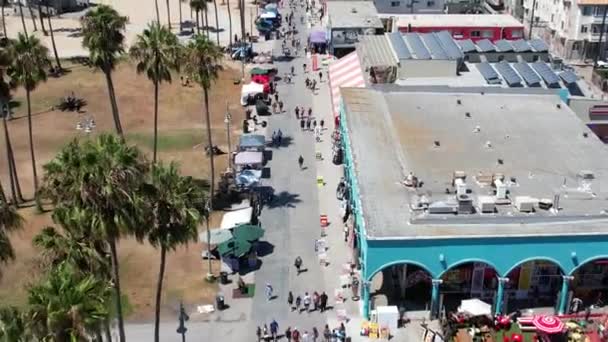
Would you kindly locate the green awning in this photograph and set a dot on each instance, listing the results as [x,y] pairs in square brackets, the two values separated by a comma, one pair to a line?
[234,247]
[248,232]
[259,71]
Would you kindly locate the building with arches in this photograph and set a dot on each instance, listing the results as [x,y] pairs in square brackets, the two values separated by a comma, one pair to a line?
[490,193]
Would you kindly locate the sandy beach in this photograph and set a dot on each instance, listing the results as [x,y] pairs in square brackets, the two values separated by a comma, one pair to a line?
[66,27]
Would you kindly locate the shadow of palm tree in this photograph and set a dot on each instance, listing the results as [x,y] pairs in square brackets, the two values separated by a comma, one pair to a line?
[284,199]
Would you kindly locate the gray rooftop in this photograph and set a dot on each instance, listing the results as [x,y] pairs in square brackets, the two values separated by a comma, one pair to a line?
[353,14]
[540,146]
[375,51]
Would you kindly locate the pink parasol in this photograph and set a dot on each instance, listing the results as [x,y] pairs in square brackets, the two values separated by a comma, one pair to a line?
[548,324]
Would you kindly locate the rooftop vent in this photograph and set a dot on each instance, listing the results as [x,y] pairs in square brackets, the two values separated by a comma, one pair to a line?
[501,189]
[500,161]
[559,106]
[459,101]
[585,135]
[486,204]
[465,204]
[525,204]
[467,114]
[353,10]
[488,144]
[477,129]
[436,143]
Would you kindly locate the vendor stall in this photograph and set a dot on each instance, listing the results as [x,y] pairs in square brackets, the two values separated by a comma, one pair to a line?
[250,91]
[234,218]
[249,160]
[318,41]
[475,307]
[252,142]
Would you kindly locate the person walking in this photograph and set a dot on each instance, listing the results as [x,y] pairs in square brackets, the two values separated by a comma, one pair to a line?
[288,334]
[258,333]
[274,329]
[327,333]
[306,302]
[308,124]
[265,333]
[314,124]
[314,85]
[305,336]
[298,265]
[307,82]
[315,334]
[322,123]
[279,137]
[297,111]
[315,301]
[323,301]
[320,76]
[280,106]
[309,112]
[290,300]
[302,123]
[295,335]
[274,138]
[304,67]
[345,233]
[274,107]
[276,96]
[293,70]
[298,262]
[268,291]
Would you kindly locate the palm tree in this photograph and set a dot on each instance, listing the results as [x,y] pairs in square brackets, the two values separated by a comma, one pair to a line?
[40,16]
[242,14]
[10,221]
[32,16]
[14,325]
[50,22]
[22,17]
[202,62]
[157,52]
[157,12]
[181,19]
[28,70]
[229,21]
[101,178]
[199,6]
[68,305]
[102,34]
[174,216]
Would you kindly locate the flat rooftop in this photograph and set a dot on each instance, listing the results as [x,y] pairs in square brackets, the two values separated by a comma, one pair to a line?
[353,14]
[540,147]
[457,20]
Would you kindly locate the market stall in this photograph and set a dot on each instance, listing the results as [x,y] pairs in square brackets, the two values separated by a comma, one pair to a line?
[252,142]
[250,91]
[317,40]
[249,160]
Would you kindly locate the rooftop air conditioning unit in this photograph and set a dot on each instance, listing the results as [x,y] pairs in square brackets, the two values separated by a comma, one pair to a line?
[487,204]
[442,207]
[501,189]
[461,186]
[525,204]
[465,204]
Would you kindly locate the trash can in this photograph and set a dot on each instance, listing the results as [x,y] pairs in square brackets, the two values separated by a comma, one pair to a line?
[224,278]
[219,300]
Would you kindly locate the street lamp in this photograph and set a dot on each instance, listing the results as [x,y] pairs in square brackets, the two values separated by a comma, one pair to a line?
[183,317]
[228,122]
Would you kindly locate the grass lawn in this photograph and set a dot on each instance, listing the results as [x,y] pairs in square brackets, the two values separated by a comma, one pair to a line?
[181,136]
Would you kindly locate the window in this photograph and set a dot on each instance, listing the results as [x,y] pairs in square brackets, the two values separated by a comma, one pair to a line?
[458,35]
[476,34]
[584,28]
[430,3]
[587,10]
[517,34]
[535,58]
[501,58]
[395,3]
[487,34]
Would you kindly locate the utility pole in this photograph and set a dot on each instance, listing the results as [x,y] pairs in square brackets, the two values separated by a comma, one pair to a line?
[600,51]
[227,121]
[531,20]
[183,318]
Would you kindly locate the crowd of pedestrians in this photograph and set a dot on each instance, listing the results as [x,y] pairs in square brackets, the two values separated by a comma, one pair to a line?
[271,333]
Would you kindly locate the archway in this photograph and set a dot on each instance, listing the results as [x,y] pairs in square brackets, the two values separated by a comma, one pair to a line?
[466,280]
[405,285]
[533,283]
[589,284]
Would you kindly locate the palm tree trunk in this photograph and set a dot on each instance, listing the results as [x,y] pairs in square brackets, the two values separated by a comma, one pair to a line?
[211,165]
[41,19]
[229,22]
[159,292]
[33,17]
[181,19]
[242,13]
[3,19]
[106,331]
[31,138]
[155,120]
[22,19]
[207,23]
[113,103]
[217,23]
[168,15]
[53,42]
[198,24]
[157,12]
[116,276]
[3,200]
[14,182]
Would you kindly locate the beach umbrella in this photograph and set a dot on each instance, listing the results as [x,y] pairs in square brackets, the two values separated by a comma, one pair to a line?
[548,324]
[248,232]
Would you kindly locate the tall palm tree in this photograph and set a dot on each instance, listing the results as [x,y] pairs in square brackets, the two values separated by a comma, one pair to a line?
[242,14]
[157,11]
[101,178]
[198,6]
[14,325]
[157,52]
[229,21]
[28,70]
[202,61]
[40,16]
[68,305]
[181,19]
[175,202]
[22,17]
[102,30]
[32,16]
[50,22]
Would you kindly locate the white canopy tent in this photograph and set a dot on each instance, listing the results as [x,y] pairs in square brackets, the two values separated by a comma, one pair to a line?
[234,218]
[249,158]
[250,89]
[475,307]
[268,15]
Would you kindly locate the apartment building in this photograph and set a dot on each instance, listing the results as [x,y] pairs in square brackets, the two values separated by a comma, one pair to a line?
[572,28]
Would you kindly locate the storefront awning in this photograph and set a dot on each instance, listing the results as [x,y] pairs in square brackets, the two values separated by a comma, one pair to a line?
[345,72]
